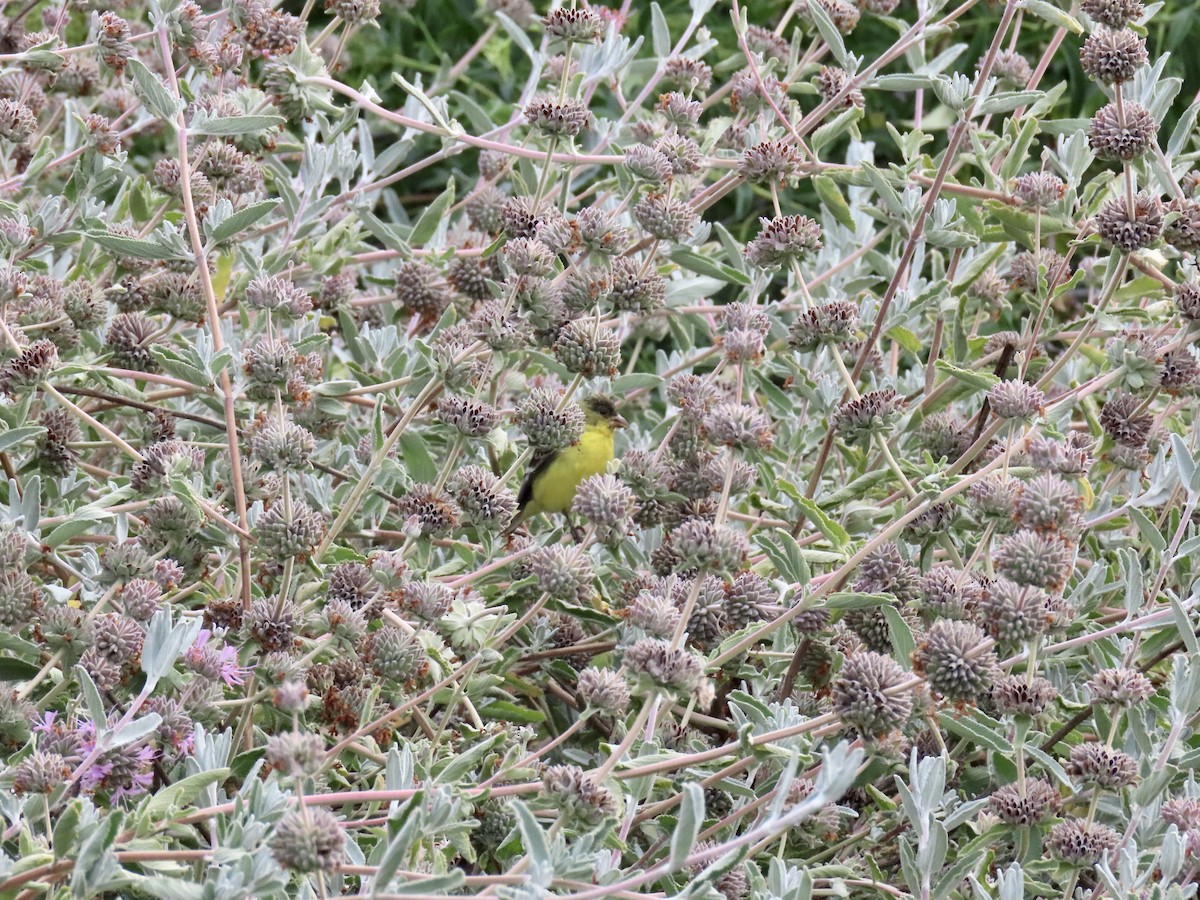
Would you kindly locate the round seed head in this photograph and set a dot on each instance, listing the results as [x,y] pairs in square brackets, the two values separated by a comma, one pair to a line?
[700,544]
[1114,138]
[281,536]
[948,593]
[857,421]
[1016,696]
[635,290]
[39,773]
[395,655]
[563,573]
[1047,503]
[827,323]
[420,289]
[604,690]
[865,697]
[1112,55]
[278,295]
[587,348]
[771,162]
[738,426]
[1187,300]
[1131,232]
[1038,802]
[681,152]
[575,26]
[431,510]
[578,796]
[140,599]
[309,841]
[782,239]
[1011,68]
[666,218]
[1035,559]
[1102,766]
[748,598]
[17,121]
[687,74]
[833,82]
[553,119]
[953,663]
[1183,231]
[649,164]
[600,232]
[31,366]
[1016,400]
[546,427]
[1039,190]
[1182,812]
[484,502]
[296,754]
[483,209]
[1113,13]
[1120,687]
[468,416]
[1013,613]
[282,446]
[605,502]
[1123,419]
[658,667]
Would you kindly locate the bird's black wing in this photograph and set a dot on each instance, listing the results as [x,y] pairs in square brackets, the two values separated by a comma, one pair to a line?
[537,465]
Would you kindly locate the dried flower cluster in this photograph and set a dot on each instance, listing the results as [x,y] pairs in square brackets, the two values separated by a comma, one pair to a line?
[890,590]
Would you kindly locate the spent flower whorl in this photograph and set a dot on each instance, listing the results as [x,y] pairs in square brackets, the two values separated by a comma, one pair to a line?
[666,218]
[1131,230]
[606,503]
[484,502]
[575,26]
[564,573]
[659,667]
[309,840]
[871,414]
[1035,559]
[1120,687]
[554,119]
[282,446]
[782,239]
[1112,56]
[545,426]
[580,797]
[866,694]
[954,661]
[1017,696]
[466,415]
[1016,400]
[1113,13]
[1102,766]
[587,348]
[1026,806]
[1122,135]
[771,162]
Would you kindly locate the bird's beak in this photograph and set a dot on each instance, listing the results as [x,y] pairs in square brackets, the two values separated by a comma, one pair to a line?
[619,422]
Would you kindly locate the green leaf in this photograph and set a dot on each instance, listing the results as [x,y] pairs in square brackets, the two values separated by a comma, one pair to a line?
[91,696]
[978,727]
[976,381]
[173,797]
[17,436]
[903,644]
[831,195]
[661,34]
[836,127]
[504,711]
[838,536]
[1007,101]
[901,82]
[1052,14]
[687,824]
[153,93]
[906,339]
[433,216]
[829,32]
[240,221]
[81,522]
[12,669]
[857,600]
[534,839]
[232,126]
[135,247]
[702,265]
[784,551]
[1149,531]
[417,461]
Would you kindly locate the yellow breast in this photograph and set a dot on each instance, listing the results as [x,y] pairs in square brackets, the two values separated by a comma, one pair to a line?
[554,490]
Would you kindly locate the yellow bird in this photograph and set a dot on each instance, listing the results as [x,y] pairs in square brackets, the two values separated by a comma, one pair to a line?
[554,475]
